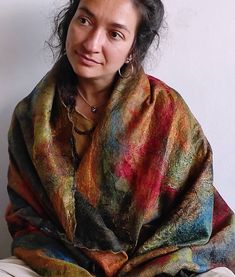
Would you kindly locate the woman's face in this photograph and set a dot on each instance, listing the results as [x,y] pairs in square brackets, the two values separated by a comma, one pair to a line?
[100,37]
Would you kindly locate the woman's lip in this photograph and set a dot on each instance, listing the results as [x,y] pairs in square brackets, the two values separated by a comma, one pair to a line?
[85,60]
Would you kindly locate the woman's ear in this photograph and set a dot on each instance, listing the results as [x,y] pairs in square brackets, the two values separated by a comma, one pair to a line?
[129,59]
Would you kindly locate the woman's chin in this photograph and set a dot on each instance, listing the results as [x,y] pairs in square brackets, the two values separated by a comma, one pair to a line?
[89,73]
[86,73]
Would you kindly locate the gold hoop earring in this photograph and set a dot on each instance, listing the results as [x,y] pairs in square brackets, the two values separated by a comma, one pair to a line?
[128,75]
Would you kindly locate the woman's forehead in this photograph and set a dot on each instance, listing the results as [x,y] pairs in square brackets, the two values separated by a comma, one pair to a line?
[116,10]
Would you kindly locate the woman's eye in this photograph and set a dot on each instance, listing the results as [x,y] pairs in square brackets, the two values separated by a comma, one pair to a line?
[116,35]
[83,21]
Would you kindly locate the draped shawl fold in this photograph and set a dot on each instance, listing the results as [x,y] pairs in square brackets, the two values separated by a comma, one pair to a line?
[141,201]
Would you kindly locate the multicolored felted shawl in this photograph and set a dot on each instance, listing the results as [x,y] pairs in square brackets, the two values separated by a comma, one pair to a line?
[141,201]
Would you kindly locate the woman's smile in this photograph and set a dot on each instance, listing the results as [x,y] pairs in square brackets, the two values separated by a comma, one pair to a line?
[86,60]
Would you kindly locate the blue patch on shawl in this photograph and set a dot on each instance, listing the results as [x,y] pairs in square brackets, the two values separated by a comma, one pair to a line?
[50,247]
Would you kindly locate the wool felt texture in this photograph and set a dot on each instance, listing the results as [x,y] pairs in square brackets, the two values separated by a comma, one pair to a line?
[140,201]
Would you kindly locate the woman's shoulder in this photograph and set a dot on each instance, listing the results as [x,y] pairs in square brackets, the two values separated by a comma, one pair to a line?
[43,90]
[171,105]
[158,85]
[172,102]
[167,94]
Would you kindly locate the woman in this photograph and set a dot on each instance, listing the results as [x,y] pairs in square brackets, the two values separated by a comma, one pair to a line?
[110,174]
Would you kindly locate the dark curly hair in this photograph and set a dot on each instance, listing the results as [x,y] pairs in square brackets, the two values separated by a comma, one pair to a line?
[151,17]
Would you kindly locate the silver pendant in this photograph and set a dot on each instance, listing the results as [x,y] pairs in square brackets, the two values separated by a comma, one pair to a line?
[93,109]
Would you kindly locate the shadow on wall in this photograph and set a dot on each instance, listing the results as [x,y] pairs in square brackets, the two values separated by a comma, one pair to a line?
[23,30]
[4,234]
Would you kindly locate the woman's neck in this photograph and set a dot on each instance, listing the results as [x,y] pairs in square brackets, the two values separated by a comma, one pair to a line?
[95,91]
[96,94]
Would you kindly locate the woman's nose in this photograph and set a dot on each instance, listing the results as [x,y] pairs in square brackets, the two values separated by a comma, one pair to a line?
[94,41]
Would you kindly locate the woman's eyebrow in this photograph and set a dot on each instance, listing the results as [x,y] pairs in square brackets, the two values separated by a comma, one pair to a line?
[114,24]
[120,26]
[86,10]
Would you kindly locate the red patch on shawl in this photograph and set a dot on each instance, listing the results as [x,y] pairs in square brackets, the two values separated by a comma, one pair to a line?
[158,83]
[22,187]
[222,213]
[161,261]
[143,165]
[16,225]
[169,194]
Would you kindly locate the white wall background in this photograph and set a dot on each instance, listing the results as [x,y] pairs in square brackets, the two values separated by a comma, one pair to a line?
[196,57]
